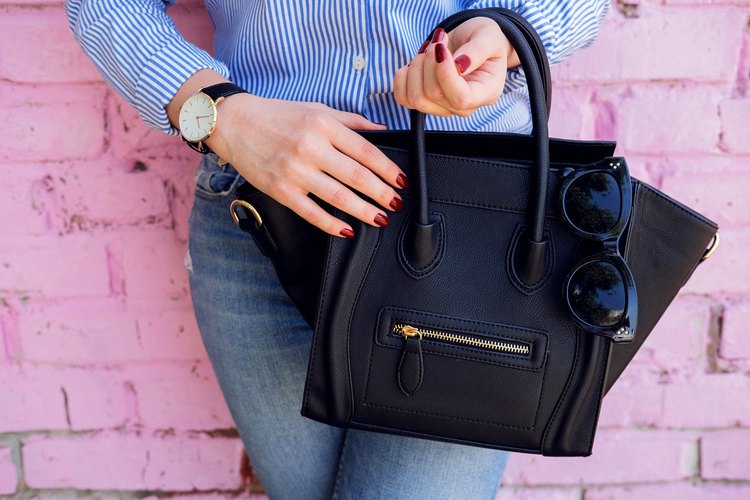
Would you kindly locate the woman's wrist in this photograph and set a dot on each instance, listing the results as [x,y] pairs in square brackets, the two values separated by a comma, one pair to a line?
[199,79]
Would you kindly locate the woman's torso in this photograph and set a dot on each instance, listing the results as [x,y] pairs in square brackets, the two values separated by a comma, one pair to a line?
[344,53]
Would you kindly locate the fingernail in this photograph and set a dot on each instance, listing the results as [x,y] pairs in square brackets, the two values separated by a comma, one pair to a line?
[382,220]
[423,47]
[396,203]
[440,52]
[381,124]
[347,232]
[462,63]
[438,35]
[402,181]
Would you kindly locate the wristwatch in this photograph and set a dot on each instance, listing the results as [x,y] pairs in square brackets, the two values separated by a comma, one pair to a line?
[198,114]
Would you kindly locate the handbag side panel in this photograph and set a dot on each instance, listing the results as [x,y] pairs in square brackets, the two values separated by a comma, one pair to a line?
[665,243]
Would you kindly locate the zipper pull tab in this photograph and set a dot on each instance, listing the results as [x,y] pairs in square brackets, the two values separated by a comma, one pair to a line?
[411,367]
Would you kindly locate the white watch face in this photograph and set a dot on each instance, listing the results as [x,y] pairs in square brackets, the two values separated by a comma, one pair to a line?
[197,117]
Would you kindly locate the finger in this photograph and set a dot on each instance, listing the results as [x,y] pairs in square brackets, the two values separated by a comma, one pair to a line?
[356,175]
[399,86]
[415,94]
[365,153]
[488,81]
[304,206]
[352,120]
[456,91]
[430,85]
[487,42]
[355,121]
[340,196]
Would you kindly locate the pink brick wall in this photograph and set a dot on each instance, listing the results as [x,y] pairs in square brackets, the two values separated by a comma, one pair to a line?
[106,389]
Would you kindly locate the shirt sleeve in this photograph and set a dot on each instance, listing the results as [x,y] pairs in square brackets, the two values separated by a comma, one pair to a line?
[139,52]
[563,25]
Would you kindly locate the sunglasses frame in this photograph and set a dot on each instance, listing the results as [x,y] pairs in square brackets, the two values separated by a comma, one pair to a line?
[624,330]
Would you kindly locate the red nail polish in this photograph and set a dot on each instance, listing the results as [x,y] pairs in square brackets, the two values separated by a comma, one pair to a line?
[396,203]
[438,35]
[440,52]
[423,47]
[402,181]
[347,232]
[382,220]
[462,63]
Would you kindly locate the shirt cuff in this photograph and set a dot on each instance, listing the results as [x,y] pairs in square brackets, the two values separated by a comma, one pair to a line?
[164,74]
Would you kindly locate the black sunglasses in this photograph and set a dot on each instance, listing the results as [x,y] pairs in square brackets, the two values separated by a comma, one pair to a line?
[596,201]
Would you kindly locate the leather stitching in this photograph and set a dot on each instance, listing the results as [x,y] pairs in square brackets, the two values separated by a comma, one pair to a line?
[321,302]
[549,260]
[350,392]
[447,416]
[568,385]
[430,266]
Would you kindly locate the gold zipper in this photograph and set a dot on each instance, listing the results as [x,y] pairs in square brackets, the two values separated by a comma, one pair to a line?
[496,345]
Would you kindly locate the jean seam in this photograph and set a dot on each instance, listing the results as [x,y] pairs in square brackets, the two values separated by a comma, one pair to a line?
[212,195]
[334,496]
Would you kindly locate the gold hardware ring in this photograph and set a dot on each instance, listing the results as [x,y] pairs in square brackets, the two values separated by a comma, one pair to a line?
[244,204]
[711,248]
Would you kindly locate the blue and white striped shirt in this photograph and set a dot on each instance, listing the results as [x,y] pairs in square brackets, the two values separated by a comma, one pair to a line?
[343,53]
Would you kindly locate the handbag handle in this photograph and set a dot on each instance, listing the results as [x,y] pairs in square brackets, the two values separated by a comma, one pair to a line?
[421,247]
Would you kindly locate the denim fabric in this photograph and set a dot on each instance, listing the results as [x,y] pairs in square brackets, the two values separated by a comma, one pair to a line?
[259,344]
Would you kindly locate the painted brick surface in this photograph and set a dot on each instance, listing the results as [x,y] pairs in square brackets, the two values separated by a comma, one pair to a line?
[105,388]
[8,476]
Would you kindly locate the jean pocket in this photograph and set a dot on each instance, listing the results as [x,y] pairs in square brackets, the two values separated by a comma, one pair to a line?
[215,181]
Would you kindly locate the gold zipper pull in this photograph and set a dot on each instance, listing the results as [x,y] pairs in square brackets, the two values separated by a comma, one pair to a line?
[410,331]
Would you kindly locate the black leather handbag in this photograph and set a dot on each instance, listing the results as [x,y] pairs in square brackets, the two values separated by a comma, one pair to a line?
[503,302]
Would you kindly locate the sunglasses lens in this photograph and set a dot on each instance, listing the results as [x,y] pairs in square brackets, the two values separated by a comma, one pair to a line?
[597,294]
[593,202]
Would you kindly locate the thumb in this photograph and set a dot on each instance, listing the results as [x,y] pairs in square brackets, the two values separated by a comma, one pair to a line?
[487,42]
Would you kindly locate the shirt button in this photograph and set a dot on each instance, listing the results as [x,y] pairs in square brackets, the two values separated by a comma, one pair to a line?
[358,62]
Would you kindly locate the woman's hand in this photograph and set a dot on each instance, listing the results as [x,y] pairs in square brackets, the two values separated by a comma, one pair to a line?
[455,73]
[288,149]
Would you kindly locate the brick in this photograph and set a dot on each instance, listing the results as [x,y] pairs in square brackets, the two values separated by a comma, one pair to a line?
[572,113]
[29,132]
[153,265]
[508,493]
[669,118]
[679,339]
[34,266]
[80,332]
[85,199]
[653,47]
[727,268]
[707,401]
[169,332]
[98,399]
[620,409]
[182,396]
[133,140]
[734,342]
[671,491]
[20,198]
[202,463]
[724,455]
[130,462]
[735,117]
[31,399]
[719,195]
[618,457]
[58,57]
[8,475]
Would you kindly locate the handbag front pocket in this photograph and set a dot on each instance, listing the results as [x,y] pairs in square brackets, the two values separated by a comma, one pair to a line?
[455,368]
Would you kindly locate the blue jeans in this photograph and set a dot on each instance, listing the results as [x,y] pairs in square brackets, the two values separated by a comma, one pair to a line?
[258,344]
